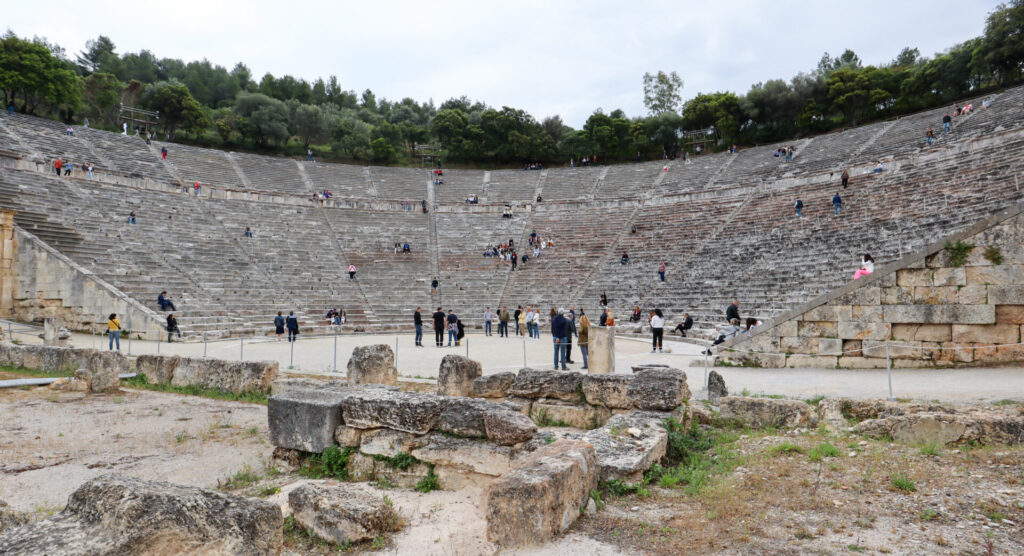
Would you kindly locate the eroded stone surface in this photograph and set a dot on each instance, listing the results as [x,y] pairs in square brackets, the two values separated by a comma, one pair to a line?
[658,389]
[767,412]
[304,419]
[607,390]
[386,442]
[578,415]
[984,426]
[561,385]
[493,386]
[221,374]
[10,519]
[370,408]
[468,454]
[716,387]
[372,365]
[508,429]
[628,444]
[456,375]
[341,513]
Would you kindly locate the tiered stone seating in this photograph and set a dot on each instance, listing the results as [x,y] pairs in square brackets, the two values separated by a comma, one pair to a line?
[570,183]
[508,186]
[206,166]
[48,139]
[344,180]
[459,185]
[754,165]
[271,173]
[1007,112]
[693,174]
[828,152]
[471,282]
[127,154]
[627,181]
[400,183]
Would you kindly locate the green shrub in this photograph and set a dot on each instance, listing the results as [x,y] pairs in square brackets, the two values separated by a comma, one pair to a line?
[428,483]
[332,463]
[823,450]
[785,448]
[903,483]
[993,255]
[958,252]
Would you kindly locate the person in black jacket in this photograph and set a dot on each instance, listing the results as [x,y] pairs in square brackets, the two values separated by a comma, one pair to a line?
[733,310]
[292,325]
[172,327]
[685,325]
[439,327]
[279,325]
[417,320]
[461,333]
[515,318]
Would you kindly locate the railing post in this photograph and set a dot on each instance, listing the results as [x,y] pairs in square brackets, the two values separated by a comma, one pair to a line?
[706,369]
[334,369]
[291,355]
[204,344]
[467,346]
[888,369]
[524,349]
[130,339]
[241,349]
[158,338]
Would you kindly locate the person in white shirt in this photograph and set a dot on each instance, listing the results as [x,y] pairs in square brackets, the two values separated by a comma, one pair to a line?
[534,320]
[867,266]
[488,318]
[657,330]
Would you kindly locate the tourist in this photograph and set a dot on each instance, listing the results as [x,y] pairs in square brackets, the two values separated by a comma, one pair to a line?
[635,317]
[657,330]
[867,266]
[515,259]
[733,310]
[488,317]
[520,317]
[929,136]
[610,321]
[172,327]
[10,108]
[131,217]
[57,164]
[535,323]
[661,270]
[583,339]
[725,332]
[846,178]
[124,128]
[423,204]
[571,324]
[453,328]
[503,322]
[799,206]
[460,332]
[632,229]
[438,317]
[351,271]
[559,330]
[114,331]
[604,300]
[433,285]
[417,321]
[406,248]
[603,321]
[292,324]
[68,166]
[69,131]
[685,325]
[946,122]
[837,204]
[406,206]
[279,325]
[88,171]
[195,189]
[752,323]
[165,301]
[624,259]
[163,153]
[248,232]
[309,155]
[879,168]
[984,104]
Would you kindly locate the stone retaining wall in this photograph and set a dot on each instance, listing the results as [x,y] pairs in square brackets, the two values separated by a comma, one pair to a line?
[229,376]
[100,369]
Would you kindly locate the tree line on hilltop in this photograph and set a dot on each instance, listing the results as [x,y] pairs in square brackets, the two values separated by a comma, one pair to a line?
[207,104]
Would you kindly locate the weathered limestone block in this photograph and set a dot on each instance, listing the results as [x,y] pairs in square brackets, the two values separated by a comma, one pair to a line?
[897,350]
[607,390]
[1002,275]
[601,350]
[522,405]
[998,354]
[818,329]
[386,442]
[947,353]
[768,412]
[629,444]
[864,330]
[285,385]
[578,415]
[916,428]
[561,385]
[865,313]
[830,346]
[658,390]
[972,295]
[920,333]
[543,495]
[1010,314]
[493,386]
[116,514]
[508,429]
[465,416]
[716,387]
[949,277]
[1005,295]
[821,313]
[341,513]
[10,519]
[159,369]
[940,314]
[304,420]
[229,376]
[852,348]
[986,333]
[788,328]
[478,456]
[898,295]
[370,408]
[865,295]
[858,362]
[372,365]
[348,437]
[797,344]
[811,361]
[910,277]
[936,295]
[456,375]
[764,360]
[648,367]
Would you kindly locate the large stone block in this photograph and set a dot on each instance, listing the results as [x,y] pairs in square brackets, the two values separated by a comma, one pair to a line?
[768,412]
[342,513]
[811,361]
[998,354]
[716,387]
[221,374]
[543,495]
[864,295]
[897,350]
[818,329]
[897,295]
[829,346]
[920,333]
[940,314]
[456,375]
[864,330]
[372,365]
[821,313]
[386,442]
[508,429]
[1002,275]
[465,416]
[304,420]
[370,408]
[607,390]
[797,344]
[986,333]
[1010,314]
[973,295]
[910,277]
[629,444]
[159,369]
[857,362]
[601,350]
[788,328]
[865,313]
[116,514]
[1006,295]
[949,277]
[658,389]
[493,386]
[478,456]
[947,353]
[578,415]
[936,295]
[561,385]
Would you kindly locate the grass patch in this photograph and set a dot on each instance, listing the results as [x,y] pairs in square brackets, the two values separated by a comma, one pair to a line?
[268,491]
[903,483]
[928,514]
[1001,403]
[786,448]
[992,512]
[694,458]
[930,449]
[544,420]
[618,488]
[815,400]
[958,252]
[856,548]
[595,495]
[400,461]
[242,479]
[140,381]
[822,451]
[332,463]
[36,373]
[428,483]
[993,255]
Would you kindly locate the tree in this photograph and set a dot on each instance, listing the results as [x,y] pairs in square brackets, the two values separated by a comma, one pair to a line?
[98,52]
[102,98]
[310,124]
[31,71]
[662,92]
[178,108]
[848,92]
[382,150]
[1001,51]
[907,58]
[263,118]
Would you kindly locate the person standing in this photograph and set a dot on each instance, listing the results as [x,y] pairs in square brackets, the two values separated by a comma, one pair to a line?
[571,324]
[114,331]
[559,330]
[521,325]
[88,171]
[279,325]
[929,136]
[453,327]
[661,270]
[434,285]
[172,327]
[799,206]
[163,153]
[57,165]
[515,259]
[837,204]
[292,324]
[583,338]
[946,122]
[503,322]
[488,317]
[438,317]
[417,321]
[657,331]
[846,178]
[516,317]
[351,271]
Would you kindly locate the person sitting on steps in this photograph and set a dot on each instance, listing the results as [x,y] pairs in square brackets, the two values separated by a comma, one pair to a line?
[685,325]
[165,301]
[867,266]
[725,332]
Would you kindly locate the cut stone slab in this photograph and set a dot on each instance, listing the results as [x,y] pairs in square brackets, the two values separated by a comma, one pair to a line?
[607,390]
[506,429]
[629,444]
[372,365]
[371,408]
[467,454]
[543,496]
[341,513]
[658,389]
[984,426]
[304,419]
[768,412]
[456,375]
[560,385]
[117,514]
[577,415]
[348,437]
[716,387]
[493,386]
[229,376]
[386,442]
[465,416]
[159,369]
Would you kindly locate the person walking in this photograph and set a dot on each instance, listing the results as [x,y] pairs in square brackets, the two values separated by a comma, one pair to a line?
[559,330]
[438,317]
[57,165]
[460,332]
[846,178]
[657,331]
[488,317]
[453,327]
[172,327]
[351,271]
[279,325]
[114,331]
[661,270]
[434,285]
[417,321]
[837,204]
[292,324]
[799,206]
[946,122]
[163,153]
[583,337]
[503,322]
[929,136]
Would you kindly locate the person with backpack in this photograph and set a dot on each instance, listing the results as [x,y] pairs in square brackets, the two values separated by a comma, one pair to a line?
[293,326]
[799,206]
[837,204]
[114,331]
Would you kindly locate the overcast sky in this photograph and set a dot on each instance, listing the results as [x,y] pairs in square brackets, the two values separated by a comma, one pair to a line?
[547,57]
